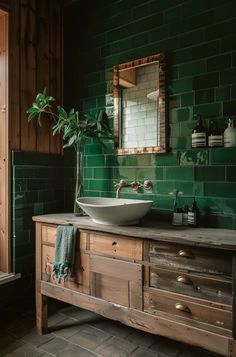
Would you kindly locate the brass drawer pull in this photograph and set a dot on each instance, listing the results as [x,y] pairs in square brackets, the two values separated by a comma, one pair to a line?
[185,253]
[184,280]
[182,308]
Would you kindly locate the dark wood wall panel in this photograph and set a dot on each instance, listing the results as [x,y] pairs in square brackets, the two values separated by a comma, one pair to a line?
[35,62]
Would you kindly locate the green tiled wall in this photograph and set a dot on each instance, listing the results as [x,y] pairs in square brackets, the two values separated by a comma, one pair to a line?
[199,39]
[37,188]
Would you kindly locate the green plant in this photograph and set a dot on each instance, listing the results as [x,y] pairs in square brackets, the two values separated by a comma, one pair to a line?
[74,127]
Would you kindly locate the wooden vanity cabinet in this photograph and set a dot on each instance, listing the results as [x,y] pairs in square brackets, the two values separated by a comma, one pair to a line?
[184,291]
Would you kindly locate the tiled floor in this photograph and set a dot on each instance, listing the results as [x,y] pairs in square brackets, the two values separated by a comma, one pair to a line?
[76,332]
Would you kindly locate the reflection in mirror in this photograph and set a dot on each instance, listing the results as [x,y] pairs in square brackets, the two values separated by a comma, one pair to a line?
[139,106]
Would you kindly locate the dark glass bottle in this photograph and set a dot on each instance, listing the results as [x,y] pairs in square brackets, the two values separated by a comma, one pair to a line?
[199,135]
[185,215]
[215,138]
[193,214]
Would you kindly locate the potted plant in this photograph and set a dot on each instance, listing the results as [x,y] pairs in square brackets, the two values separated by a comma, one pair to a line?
[75,127]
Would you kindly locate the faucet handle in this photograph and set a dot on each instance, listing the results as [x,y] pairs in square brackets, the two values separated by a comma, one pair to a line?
[135,185]
[121,183]
[147,185]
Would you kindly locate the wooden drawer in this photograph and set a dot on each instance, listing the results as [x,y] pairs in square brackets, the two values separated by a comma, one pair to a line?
[185,258]
[49,234]
[217,289]
[187,308]
[116,246]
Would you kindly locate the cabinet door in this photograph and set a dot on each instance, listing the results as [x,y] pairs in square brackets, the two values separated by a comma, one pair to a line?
[116,281]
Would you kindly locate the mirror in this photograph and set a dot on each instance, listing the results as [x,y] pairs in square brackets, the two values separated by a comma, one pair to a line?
[139,106]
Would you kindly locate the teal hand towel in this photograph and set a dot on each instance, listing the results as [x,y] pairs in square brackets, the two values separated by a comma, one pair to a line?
[64,252]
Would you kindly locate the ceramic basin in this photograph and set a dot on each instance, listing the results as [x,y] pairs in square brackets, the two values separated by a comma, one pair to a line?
[114,211]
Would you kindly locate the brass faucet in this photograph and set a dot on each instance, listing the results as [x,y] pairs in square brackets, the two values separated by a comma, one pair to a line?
[135,185]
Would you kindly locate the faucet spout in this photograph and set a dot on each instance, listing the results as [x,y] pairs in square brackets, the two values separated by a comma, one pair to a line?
[134,185]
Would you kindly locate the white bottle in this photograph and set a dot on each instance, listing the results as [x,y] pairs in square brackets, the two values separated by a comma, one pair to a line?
[230,135]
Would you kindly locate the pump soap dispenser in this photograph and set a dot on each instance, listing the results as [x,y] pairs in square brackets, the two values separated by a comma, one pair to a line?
[230,134]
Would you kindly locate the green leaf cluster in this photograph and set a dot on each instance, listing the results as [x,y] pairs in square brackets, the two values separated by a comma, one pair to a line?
[74,127]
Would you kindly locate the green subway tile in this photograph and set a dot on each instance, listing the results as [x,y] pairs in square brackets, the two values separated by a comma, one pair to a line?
[140,11]
[220,221]
[184,114]
[186,188]
[231,173]
[181,85]
[208,110]
[229,206]
[140,39]
[88,104]
[95,160]
[93,149]
[122,45]
[225,11]
[228,76]
[233,92]
[222,156]
[99,185]
[164,202]
[210,173]
[187,99]
[181,56]
[218,63]
[158,33]
[102,172]
[180,173]
[222,93]
[174,102]
[209,205]
[173,13]
[164,187]
[185,129]
[166,159]
[219,30]
[229,108]
[87,172]
[193,157]
[206,81]
[173,73]
[206,50]
[179,143]
[222,189]
[192,68]
[204,96]
[92,78]
[174,130]
[192,37]
[45,195]
[228,43]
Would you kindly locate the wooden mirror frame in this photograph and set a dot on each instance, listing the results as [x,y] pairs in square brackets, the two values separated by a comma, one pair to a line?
[161,115]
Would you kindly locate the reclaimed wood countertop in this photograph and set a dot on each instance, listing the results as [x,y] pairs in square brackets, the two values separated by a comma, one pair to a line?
[159,231]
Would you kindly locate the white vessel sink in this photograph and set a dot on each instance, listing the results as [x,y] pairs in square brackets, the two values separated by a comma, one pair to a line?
[114,211]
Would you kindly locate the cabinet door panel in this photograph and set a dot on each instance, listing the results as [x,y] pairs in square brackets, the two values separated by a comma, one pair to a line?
[117,281]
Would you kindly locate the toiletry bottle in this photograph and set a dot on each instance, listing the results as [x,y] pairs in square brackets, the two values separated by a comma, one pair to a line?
[177,217]
[215,138]
[177,213]
[193,214]
[185,215]
[199,137]
[230,134]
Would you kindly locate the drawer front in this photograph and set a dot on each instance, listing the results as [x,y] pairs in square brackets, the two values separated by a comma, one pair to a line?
[115,246]
[49,234]
[186,308]
[185,258]
[217,290]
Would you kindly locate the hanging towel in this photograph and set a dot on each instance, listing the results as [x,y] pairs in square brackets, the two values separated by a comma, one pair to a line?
[64,252]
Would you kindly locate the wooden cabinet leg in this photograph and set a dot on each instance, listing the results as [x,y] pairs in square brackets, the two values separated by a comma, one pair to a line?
[41,313]
[232,348]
